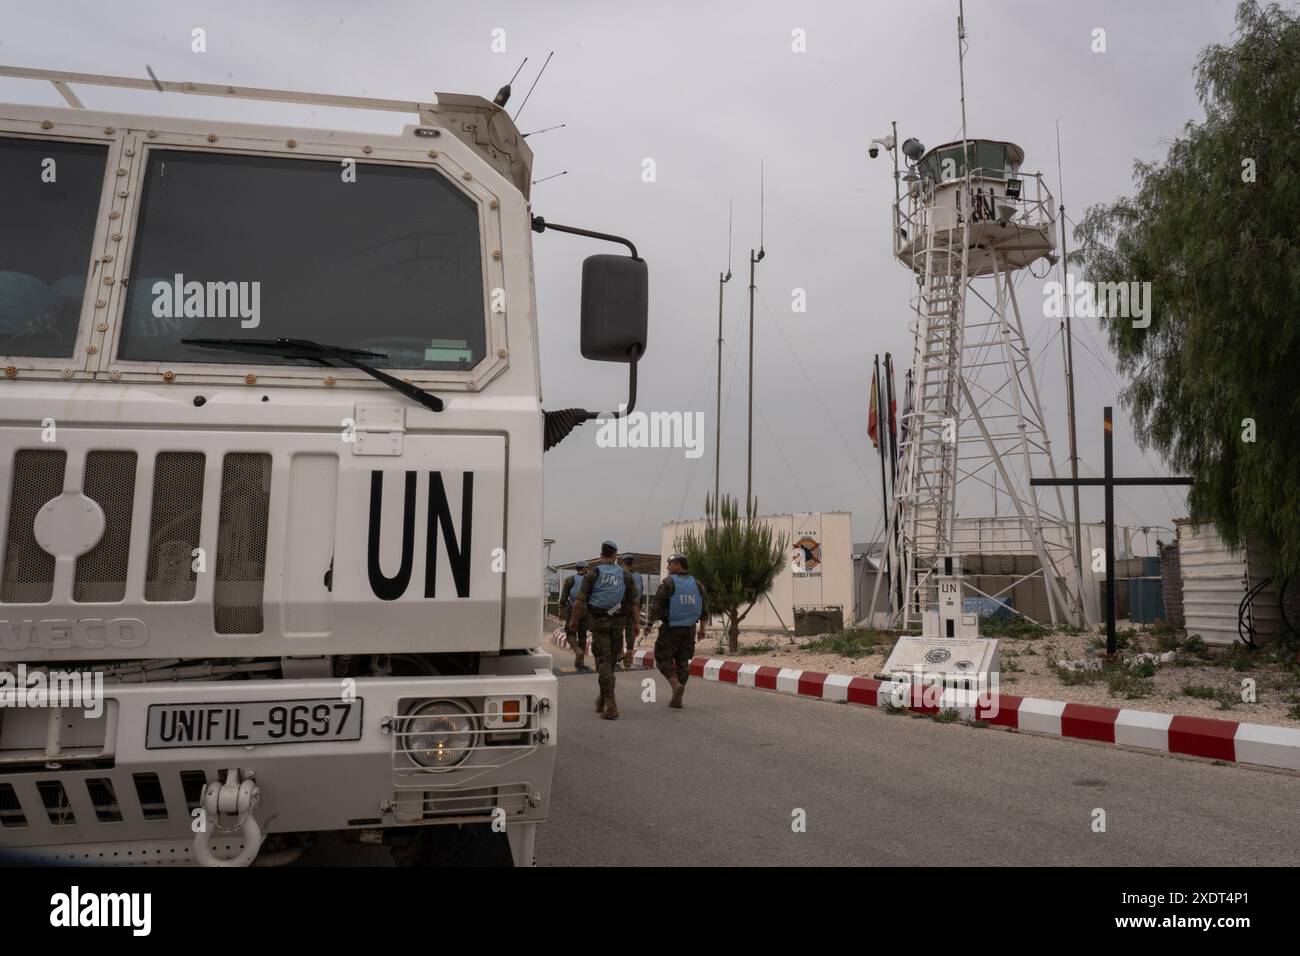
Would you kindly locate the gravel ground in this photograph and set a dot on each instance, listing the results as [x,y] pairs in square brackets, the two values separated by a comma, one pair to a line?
[1025,673]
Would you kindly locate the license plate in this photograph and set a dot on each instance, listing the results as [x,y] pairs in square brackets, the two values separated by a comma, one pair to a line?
[253,722]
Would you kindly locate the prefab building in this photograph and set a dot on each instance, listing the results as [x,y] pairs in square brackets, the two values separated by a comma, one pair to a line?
[1228,592]
[811,599]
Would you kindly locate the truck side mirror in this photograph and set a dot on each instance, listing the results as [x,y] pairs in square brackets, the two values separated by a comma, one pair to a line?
[615,308]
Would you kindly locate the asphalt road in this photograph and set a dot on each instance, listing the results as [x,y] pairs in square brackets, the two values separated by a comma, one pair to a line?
[719,781]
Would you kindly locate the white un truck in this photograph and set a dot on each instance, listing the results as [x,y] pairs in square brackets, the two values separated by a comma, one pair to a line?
[271,448]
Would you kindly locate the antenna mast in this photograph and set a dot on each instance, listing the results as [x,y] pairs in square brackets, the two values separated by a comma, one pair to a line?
[753,261]
[1069,353]
[961,61]
[717,451]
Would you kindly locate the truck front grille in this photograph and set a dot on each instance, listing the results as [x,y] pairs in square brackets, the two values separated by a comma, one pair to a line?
[28,576]
[241,543]
[101,571]
[166,565]
[174,521]
[109,798]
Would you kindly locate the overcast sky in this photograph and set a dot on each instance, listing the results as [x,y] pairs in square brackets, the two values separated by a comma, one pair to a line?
[705,91]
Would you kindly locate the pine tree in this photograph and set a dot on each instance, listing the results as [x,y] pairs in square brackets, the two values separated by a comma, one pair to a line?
[736,559]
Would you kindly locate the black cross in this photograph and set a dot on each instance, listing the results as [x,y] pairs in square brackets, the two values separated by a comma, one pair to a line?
[1109,481]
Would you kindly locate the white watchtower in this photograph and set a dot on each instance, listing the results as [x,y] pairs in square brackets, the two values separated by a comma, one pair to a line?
[973,432]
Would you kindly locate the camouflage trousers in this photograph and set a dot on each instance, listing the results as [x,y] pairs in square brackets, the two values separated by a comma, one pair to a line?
[626,634]
[578,636]
[606,644]
[673,651]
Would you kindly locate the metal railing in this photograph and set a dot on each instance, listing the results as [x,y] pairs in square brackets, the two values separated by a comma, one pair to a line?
[914,214]
[470,802]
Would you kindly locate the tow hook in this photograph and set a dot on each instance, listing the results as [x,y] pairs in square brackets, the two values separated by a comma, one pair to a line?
[237,797]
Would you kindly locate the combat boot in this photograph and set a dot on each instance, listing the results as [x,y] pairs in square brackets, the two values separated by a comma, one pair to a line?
[678,687]
[627,660]
[579,661]
[600,704]
[611,708]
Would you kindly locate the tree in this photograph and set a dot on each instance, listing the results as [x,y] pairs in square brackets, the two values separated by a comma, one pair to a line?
[1214,381]
[735,559]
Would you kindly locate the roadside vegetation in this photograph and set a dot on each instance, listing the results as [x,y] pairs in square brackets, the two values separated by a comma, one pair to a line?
[851,642]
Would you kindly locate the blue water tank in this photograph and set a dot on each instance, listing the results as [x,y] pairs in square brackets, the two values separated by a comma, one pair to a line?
[1146,600]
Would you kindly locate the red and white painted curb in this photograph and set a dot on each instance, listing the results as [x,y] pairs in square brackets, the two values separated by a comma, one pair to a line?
[1228,740]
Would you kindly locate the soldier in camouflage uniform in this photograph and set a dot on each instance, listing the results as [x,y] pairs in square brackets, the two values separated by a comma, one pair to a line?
[632,620]
[680,603]
[604,593]
[577,633]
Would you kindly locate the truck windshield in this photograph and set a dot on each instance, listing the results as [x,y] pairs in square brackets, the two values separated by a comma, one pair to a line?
[363,256]
[49,198]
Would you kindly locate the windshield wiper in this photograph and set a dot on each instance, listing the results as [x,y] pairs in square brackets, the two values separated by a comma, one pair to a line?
[324,354]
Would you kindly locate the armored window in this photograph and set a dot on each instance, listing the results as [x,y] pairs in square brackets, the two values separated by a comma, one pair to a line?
[255,247]
[49,199]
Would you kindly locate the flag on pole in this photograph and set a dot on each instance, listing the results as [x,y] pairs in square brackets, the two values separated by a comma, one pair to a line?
[873,416]
[907,411]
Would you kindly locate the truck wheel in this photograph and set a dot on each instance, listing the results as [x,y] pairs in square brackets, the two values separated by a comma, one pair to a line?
[469,844]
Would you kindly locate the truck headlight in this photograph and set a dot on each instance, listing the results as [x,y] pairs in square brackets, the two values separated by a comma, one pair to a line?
[440,734]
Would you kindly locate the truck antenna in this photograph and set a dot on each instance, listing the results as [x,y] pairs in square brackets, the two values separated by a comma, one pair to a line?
[537,132]
[531,88]
[552,176]
[503,94]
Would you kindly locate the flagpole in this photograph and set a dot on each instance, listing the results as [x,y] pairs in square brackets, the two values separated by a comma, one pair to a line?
[891,532]
[893,418]
[900,582]
[881,443]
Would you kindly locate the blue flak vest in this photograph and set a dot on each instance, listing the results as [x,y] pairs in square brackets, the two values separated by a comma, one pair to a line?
[607,592]
[685,605]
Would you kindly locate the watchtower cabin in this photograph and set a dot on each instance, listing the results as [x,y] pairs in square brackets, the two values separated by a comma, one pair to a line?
[978,181]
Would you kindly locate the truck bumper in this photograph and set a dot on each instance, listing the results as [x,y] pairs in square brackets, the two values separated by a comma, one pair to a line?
[124,802]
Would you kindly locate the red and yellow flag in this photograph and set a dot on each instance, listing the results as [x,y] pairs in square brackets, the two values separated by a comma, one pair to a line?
[873,416]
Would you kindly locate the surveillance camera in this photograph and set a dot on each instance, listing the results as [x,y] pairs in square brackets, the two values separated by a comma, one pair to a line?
[873,151]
